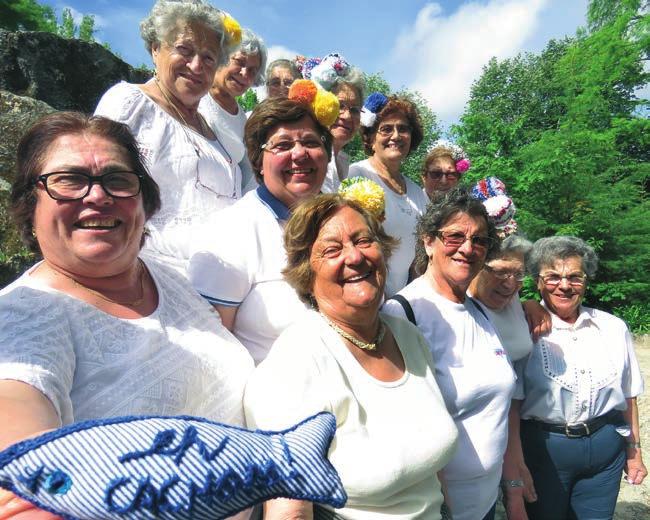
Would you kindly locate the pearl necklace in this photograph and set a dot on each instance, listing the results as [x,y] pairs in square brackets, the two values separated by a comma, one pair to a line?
[355,341]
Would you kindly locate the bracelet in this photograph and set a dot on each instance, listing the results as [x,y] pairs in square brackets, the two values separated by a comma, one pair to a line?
[512,483]
[633,445]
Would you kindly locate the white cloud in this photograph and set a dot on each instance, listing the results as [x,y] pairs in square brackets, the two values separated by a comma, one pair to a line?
[276,52]
[441,55]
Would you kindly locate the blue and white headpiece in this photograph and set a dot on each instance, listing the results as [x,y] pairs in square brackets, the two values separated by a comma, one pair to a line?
[372,106]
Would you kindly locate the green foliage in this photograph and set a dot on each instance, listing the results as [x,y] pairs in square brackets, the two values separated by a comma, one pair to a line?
[562,130]
[30,15]
[637,317]
[412,167]
[248,101]
[26,15]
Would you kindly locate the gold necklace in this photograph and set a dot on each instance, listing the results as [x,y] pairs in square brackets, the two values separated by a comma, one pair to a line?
[355,341]
[131,303]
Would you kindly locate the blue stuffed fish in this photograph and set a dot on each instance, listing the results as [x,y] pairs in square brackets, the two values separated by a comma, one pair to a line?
[171,467]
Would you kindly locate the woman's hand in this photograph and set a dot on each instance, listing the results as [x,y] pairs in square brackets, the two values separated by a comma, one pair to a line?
[513,500]
[634,467]
[538,318]
[15,508]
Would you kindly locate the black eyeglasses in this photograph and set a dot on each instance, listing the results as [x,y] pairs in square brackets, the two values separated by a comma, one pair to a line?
[75,185]
[499,274]
[455,240]
[436,175]
[387,130]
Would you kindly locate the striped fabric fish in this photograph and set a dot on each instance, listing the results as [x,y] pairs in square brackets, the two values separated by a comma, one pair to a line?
[171,468]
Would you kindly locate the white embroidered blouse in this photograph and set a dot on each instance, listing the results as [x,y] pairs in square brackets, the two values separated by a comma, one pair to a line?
[579,371]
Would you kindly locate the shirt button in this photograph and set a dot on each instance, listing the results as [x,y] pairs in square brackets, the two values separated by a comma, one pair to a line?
[584,406]
[582,371]
[575,338]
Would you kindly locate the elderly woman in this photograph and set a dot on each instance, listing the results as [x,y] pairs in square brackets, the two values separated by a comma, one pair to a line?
[220,107]
[237,259]
[336,75]
[373,372]
[391,129]
[93,330]
[472,368]
[442,168]
[280,75]
[578,390]
[188,40]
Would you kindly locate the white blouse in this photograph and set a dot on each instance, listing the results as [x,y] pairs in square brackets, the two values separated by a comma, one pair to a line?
[195,176]
[579,371]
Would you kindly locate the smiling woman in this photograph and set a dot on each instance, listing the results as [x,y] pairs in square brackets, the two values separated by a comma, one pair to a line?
[188,41]
[372,371]
[93,330]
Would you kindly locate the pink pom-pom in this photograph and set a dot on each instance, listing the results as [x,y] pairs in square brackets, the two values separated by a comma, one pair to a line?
[463,165]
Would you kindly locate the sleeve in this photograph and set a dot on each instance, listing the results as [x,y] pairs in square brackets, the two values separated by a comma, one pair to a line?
[632,379]
[221,269]
[36,345]
[287,386]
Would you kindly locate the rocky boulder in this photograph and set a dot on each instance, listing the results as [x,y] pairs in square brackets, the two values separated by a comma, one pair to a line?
[67,74]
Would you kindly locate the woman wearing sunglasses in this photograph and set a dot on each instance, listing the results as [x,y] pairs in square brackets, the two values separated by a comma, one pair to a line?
[443,166]
[391,129]
[472,368]
[93,330]
[577,391]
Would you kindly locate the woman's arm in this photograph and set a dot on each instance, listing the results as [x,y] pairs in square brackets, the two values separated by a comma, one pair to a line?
[634,467]
[515,469]
[285,509]
[24,412]
[227,314]
[538,318]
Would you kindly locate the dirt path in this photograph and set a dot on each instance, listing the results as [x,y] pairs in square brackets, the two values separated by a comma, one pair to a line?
[633,501]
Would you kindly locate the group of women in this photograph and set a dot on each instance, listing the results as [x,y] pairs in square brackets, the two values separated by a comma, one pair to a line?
[200,261]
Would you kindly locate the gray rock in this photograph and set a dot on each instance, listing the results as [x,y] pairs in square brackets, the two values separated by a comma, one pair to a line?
[67,74]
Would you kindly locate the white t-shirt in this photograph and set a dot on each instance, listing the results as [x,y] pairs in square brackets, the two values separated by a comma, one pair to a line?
[391,438]
[402,212]
[512,328]
[579,371]
[237,260]
[476,381]
[336,170]
[180,360]
[195,177]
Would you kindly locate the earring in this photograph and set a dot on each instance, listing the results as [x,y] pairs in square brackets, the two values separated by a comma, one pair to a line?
[33,232]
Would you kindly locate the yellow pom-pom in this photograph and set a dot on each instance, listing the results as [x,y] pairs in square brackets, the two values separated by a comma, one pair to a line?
[367,193]
[326,107]
[233,30]
[303,91]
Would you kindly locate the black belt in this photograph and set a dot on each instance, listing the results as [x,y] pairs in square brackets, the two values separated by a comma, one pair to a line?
[582,429]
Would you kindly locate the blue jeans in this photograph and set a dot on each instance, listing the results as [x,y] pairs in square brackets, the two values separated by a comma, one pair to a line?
[575,478]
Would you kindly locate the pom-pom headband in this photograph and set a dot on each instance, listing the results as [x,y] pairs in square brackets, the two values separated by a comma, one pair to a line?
[233,29]
[373,104]
[457,154]
[500,208]
[324,72]
[367,193]
[323,104]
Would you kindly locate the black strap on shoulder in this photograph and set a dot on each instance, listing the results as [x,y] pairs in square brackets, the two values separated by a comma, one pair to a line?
[408,310]
[479,307]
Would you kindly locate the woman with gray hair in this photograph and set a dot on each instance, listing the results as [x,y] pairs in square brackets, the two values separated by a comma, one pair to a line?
[578,389]
[244,69]
[279,77]
[347,83]
[188,40]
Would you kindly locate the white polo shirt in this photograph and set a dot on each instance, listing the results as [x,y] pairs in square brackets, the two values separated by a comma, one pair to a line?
[237,260]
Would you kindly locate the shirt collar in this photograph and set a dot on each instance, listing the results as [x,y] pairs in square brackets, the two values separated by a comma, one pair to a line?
[279,210]
[585,319]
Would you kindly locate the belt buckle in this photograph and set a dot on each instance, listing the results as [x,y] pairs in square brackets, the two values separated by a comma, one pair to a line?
[572,435]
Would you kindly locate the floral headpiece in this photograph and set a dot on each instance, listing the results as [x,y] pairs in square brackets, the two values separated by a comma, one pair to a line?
[305,65]
[500,208]
[373,104]
[325,71]
[323,104]
[367,193]
[457,154]
[232,29]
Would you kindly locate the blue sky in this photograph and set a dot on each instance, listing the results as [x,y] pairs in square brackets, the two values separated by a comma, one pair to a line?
[437,48]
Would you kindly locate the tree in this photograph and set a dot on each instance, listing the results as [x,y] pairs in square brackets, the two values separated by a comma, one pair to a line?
[87,28]
[26,15]
[67,28]
[563,131]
